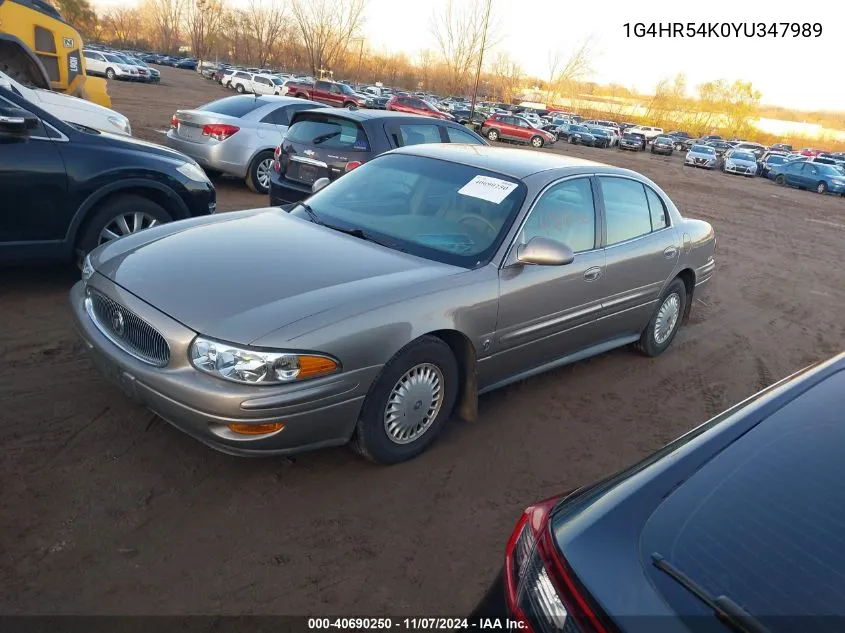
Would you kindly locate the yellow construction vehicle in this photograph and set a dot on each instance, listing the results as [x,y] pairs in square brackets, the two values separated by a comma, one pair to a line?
[39,49]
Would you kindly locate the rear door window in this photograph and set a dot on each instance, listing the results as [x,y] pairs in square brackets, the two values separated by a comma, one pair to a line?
[460,136]
[418,134]
[626,209]
[328,131]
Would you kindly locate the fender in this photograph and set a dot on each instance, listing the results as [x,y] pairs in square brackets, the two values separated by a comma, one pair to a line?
[39,67]
[129,183]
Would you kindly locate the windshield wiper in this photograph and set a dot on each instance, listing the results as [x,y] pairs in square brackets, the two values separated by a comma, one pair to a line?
[725,609]
[312,215]
[324,137]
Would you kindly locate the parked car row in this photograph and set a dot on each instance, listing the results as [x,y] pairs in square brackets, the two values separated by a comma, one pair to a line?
[119,65]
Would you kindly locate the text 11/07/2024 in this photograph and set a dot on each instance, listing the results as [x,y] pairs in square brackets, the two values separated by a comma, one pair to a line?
[416,624]
[722,29]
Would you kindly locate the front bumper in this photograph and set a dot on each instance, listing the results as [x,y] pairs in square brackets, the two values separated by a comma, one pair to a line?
[657,149]
[223,156]
[742,171]
[316,413]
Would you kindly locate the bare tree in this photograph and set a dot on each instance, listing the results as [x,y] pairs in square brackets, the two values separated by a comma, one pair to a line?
[265,21]
[459,34]
[164,17]
[563,75]
[507,76]
[123,24]
[326,27]
[203,19]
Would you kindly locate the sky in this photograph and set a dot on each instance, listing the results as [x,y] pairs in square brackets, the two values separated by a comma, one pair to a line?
[802,73]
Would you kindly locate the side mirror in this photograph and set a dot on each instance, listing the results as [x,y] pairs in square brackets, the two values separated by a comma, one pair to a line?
[319,184]
[16,120]
[541,251]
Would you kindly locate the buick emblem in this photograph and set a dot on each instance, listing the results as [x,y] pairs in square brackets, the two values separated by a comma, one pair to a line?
[117,323]
[309,152]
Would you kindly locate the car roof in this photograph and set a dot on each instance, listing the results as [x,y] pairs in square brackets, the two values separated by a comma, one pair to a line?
[518,163]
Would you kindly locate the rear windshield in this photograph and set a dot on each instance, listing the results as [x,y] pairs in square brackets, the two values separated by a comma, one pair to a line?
[236,106]
[328,131]
[633,136]
[763,522]
[775,160]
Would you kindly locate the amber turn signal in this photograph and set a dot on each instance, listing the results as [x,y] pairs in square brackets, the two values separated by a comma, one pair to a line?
[313,366]
[256,429]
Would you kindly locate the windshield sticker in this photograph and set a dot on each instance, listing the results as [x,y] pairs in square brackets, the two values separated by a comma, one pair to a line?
[486,188]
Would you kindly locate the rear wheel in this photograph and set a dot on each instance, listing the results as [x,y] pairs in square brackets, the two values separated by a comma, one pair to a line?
[821,187]
[493,135]
[780,180]
[258,176]
[119,216]
[666,320]
[350,106]
[109,73]
[537,141]
[240,89]
[409,403]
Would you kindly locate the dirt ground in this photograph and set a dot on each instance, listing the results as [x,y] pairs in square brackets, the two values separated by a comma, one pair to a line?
[107,510]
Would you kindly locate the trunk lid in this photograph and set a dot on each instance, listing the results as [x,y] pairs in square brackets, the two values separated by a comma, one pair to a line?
[322,145]
[189,124]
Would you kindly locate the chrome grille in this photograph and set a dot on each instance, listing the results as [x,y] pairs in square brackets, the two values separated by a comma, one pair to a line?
[127,330]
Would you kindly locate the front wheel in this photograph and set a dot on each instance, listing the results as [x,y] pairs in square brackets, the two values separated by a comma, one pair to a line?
[493,135]
[537,142]
[350,106]
[409,403]
[821,187]
[109,73]
[663,326]
[240,89]
[258,176]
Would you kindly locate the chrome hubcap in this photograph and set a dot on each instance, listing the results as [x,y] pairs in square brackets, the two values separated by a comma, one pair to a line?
[263,173]
[414,403]
[537,142]
[821,188]
[667,318]
[126,224]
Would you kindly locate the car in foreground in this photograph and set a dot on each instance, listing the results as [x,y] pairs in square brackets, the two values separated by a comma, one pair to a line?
[68,188]
[734,526]
[633,141]
[236,135]
[740,162]
[663,145]
[323,145]
[391,298]
[516,129]
[811,176]
[701,156]
[70,109]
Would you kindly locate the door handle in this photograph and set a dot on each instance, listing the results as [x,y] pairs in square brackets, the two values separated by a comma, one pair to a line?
[591,274]
[670,252]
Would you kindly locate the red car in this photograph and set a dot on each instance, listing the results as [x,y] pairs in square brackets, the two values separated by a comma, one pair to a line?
[329,92]
[506,127]
[809,151]
[414,105]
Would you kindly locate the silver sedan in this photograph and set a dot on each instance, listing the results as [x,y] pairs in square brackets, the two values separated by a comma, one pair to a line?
[236,135]
[390,299]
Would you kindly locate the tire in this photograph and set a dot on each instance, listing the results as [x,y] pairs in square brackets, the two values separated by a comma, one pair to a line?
[648,343]
[779,179]
[537,142]
[493,135]
[350,106]
[821,188]
[90,236]
[371,437]
[240,89]
[109,73]
[678,147]
[255,179]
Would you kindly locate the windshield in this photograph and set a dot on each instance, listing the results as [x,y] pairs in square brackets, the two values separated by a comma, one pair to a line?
[443,211]
[703,149]
[599,131]
[114,58]
[663,139]
[578,128]
[276,81]
[828,170]
[346,89]
[743,156]
[633,137]
[775,160]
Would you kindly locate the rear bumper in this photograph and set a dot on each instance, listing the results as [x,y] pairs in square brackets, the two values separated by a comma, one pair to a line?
[222,156]
[283,191]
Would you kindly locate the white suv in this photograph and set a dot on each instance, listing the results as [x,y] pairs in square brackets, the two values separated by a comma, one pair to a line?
[108,64]
[241,81]
[649,132]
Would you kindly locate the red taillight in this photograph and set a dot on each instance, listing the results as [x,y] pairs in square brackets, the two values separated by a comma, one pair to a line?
[539,588]
[174,122]
[219,131]
[352,164]
[277,166]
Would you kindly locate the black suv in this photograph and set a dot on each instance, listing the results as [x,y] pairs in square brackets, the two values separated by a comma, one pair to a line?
[67,188]
[322,144]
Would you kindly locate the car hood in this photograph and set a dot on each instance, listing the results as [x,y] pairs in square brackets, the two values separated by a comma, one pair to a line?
[239,276]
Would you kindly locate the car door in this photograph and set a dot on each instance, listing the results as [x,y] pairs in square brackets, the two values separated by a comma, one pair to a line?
[510,127]
[336,95]
[808,176]
[547,312]
[322,92]
[34,185]
[642,251]
[94,62]
[523,130]
[792,173]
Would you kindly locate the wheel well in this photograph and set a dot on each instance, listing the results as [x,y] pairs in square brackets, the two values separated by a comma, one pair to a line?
[466,405]
[21,64]
[688,277]
[159,197]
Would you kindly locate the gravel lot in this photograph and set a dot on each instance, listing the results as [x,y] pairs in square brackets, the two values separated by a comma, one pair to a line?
[108,510]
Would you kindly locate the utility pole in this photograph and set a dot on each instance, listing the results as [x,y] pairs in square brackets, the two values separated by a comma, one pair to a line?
[360,58]
[480,59]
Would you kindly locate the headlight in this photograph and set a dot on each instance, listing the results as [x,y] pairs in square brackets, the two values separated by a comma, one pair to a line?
[193,172]
[121,124]
[244,365]
[87,268]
